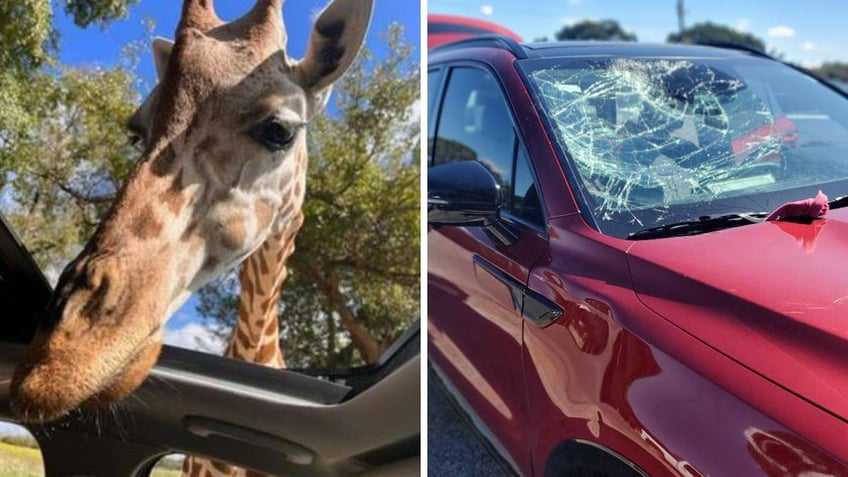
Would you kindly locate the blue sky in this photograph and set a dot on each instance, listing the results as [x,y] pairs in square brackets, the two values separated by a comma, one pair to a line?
[806,32]
[96,46]
[102,46]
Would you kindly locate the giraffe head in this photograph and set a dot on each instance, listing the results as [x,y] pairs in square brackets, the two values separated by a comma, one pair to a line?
[223,167]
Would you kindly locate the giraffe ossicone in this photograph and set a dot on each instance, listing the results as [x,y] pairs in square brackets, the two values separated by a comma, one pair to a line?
[223,168]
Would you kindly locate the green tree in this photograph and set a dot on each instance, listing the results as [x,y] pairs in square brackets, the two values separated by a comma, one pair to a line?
[709,32]
[595,30]
[833,71]
[353,285]
[63,147]
[27,37]
[63,163]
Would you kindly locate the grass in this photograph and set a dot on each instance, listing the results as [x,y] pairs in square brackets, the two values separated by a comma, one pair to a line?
[19,461]
[157,472]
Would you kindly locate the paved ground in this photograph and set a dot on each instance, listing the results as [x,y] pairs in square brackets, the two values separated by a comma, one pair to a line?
[454,450]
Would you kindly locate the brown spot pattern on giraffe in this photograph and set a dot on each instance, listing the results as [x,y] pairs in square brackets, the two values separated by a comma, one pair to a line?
[146,225]
[222,467]
[173,197]
[267,352]
[211,262]
[242,336]
[234,233]
[264,214]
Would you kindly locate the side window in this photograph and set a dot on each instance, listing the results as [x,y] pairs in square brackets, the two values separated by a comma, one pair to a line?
[475,125]
[526,202]
[434,77]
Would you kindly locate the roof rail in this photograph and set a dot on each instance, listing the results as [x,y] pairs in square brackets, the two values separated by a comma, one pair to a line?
[498,41]
[736,46]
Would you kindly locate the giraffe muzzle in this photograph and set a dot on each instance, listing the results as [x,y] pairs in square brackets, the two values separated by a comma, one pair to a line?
[96,346]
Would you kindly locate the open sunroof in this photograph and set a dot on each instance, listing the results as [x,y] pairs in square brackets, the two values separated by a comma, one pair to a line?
[23,289]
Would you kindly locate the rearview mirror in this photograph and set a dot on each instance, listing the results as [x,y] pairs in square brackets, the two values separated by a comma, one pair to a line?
[466,194]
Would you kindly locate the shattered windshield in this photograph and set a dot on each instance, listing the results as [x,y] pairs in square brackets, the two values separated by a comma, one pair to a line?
[653,141]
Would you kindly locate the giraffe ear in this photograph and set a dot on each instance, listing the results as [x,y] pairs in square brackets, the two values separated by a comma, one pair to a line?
[335,40]
[161,53]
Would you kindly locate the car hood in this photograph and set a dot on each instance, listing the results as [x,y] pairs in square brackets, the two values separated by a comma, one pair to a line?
[773,296]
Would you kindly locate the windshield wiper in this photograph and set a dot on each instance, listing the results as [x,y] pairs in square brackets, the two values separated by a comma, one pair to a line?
[838,202]
[707,223]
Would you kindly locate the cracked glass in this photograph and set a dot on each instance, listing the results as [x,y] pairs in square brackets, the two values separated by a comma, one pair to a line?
[651,141]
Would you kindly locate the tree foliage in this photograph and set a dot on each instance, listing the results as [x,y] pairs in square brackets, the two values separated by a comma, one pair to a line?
[833,71]
[63,157]
[353,285]
[709,32]
[27,37]
[63,147]
[607,29]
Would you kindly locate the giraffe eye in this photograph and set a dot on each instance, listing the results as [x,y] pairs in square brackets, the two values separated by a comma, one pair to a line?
[275,135]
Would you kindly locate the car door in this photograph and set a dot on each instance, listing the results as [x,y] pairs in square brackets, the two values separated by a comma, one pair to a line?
[476,283]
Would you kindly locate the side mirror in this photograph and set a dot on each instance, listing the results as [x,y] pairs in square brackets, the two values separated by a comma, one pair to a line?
[466,194]
[462,193]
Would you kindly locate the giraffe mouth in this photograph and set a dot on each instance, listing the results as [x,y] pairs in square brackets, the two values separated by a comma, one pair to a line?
[44,391]
[81,364]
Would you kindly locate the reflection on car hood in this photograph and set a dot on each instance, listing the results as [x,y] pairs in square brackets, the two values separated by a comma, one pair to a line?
[772,296]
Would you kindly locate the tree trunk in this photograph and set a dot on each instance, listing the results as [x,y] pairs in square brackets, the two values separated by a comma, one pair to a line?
[369,347]
[331,340]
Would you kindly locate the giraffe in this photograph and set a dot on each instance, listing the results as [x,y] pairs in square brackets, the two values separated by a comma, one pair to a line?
[255,337]
[223,169]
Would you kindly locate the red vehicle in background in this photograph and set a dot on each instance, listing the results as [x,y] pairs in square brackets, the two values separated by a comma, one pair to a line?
[442,29]
[605,297]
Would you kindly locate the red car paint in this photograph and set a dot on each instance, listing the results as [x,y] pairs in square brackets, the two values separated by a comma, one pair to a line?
[715,354]
[444,29]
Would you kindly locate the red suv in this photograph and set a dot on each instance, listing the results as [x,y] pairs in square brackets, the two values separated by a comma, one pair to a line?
[605,296]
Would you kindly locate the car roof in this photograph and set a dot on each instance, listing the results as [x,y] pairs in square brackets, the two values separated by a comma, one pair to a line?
[597,48]
[634,49]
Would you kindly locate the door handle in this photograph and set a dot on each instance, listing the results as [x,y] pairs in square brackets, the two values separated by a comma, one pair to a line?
[533,306]
[539,310]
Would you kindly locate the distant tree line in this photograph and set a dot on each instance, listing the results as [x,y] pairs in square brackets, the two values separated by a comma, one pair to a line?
[699,33]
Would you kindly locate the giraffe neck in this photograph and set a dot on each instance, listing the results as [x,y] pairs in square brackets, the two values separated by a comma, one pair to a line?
[256,336]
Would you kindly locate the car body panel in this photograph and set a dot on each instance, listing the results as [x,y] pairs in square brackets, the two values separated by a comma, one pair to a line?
[671,416]
[471,302]
[774,296]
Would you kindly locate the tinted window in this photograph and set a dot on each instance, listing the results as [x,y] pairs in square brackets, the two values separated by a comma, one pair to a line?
[475,125]
[434,77]
[526,202]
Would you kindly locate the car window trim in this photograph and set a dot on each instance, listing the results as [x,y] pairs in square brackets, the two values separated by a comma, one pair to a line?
[433,116]
[561,150]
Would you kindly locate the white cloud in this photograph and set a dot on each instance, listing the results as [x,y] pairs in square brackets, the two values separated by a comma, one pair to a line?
[781,31]
[487,9]
[808,46]
[811,64]
[196,337]
[743,25]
